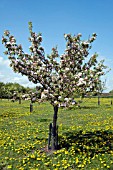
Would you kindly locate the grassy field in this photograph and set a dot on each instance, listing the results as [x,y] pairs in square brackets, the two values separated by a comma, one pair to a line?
[85,136]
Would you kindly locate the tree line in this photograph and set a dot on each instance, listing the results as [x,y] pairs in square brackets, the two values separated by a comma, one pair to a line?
[8,90]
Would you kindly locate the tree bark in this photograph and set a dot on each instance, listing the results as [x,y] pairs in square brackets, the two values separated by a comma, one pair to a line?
[55,130]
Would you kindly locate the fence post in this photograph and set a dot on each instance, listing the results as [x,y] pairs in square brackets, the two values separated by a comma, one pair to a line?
[57,138]
[49,137]
[19,100]
[31,107]
[111,102]
[98,100]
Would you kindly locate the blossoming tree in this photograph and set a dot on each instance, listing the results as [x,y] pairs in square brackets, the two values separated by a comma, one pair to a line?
[59,76]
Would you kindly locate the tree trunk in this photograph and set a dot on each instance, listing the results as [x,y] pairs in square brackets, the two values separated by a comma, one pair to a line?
[55,129]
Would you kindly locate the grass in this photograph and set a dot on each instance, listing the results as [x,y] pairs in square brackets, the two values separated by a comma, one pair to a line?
[85,136]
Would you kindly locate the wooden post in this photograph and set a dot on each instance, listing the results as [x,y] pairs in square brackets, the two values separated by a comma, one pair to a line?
[54,129]
[31,107]
[111,102]
[57,138]
[49,138]
[98,100]
[19,100]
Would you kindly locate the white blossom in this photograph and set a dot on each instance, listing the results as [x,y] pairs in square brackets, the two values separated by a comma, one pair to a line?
[55,102]
[66,99]
[79,74]
[59,97]
[67,69]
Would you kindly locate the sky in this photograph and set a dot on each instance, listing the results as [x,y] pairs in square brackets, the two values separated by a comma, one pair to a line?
[53,18]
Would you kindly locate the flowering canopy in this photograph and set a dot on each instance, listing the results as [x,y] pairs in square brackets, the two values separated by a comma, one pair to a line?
[60,76]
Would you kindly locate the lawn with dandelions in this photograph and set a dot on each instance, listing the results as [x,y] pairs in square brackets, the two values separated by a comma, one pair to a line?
[85,136]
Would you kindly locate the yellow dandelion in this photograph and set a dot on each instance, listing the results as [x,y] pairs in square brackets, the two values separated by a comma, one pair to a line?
[65,167]
[108,166]
[58,164]
[9,166]
[32,156]
[66,152]
[76,160]
[38,159]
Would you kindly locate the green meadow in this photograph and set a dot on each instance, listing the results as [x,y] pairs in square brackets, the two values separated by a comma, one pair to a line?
[85,136]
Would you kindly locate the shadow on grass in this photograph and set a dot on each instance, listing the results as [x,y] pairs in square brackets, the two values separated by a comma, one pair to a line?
[88,107]
[43,120]
[90,143]
[83,107]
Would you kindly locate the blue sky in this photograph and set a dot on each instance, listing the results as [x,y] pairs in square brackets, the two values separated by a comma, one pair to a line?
[54,18]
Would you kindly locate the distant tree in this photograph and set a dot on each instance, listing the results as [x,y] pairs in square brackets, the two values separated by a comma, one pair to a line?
[12,88]
[60,76]
[111,92]
[2,89]
[7,90]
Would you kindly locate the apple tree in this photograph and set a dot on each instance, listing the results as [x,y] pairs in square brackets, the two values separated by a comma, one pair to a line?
[59,76]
